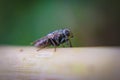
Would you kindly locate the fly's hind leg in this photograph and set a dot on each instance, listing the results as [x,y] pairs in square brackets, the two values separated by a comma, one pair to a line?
[40,48]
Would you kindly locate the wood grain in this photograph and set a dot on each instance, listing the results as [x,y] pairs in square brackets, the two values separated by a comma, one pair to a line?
[82,63]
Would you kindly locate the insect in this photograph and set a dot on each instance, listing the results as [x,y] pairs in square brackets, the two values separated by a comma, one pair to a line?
[54,38]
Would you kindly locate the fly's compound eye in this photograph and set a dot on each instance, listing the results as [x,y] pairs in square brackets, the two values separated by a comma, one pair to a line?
[67,32]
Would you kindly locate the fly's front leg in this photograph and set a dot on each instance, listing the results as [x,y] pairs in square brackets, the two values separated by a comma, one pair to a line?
[70,42]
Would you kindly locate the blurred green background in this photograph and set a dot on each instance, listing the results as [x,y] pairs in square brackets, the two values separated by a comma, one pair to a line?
[93,23]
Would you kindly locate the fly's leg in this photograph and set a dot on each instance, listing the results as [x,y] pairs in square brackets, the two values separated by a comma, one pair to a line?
[39,49]
[63,45]
[55,49]
[42,47]
[53,44]
[70,42]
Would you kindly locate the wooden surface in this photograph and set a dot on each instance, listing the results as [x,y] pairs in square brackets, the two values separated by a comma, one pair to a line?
[84,63]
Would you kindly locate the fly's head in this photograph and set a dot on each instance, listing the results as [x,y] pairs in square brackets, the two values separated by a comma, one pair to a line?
[68,33]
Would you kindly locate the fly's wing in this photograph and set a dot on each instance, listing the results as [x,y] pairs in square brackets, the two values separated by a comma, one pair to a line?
[41,42]
[34,42]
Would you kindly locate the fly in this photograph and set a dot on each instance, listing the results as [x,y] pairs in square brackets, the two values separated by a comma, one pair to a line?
[55,38]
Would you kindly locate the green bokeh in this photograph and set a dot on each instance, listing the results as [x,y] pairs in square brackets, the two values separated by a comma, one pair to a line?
[23,21]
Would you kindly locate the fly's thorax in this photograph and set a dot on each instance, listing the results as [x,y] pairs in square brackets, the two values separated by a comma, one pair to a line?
[50,36]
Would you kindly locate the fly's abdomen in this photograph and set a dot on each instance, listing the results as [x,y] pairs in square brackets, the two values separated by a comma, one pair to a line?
[41,43]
